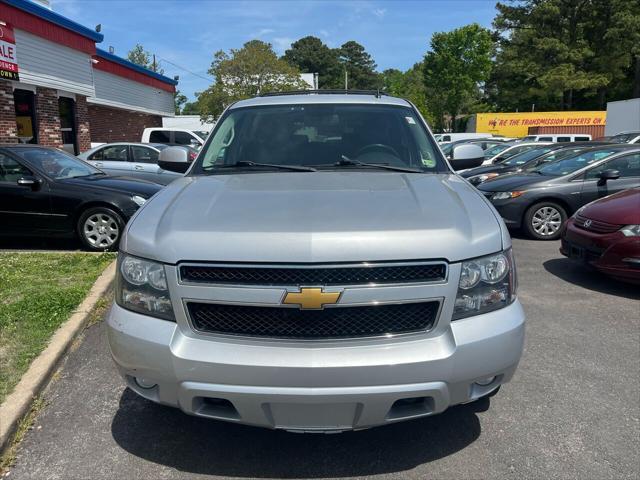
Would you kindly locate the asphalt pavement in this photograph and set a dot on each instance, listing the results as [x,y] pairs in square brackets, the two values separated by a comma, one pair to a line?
[572,410]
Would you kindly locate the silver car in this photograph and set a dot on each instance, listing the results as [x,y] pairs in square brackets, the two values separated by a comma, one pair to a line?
[136,160]
[319,268]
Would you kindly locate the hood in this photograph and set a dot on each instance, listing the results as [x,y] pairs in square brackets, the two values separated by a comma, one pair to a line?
[315,217]
[510,182]
[622,208]
[115,184]
[480,170]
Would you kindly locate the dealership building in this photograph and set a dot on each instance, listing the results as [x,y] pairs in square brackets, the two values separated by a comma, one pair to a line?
[58,89]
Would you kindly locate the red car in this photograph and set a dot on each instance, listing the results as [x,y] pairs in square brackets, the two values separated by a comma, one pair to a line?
[606,235]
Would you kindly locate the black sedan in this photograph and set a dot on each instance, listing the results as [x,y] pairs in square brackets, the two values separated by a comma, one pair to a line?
[541,199]
[47,192]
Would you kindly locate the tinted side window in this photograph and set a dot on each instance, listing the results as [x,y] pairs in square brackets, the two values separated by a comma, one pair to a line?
[96,155]
[582,139]
[117,153]
[545,139]
[10,170]
[183,138]
[563,139]
[143,154]
[446,138]
[628,166]
[159,136]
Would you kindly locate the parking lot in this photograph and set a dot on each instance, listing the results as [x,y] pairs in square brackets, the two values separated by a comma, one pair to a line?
[572,410]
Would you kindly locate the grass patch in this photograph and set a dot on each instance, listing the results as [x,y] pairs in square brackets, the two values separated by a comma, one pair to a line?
[38,292]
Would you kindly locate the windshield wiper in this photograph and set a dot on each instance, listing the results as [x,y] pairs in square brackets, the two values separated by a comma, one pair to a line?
[250,164]
[348,162]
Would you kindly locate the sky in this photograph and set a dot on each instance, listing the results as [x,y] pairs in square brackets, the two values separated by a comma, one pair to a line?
[184,34]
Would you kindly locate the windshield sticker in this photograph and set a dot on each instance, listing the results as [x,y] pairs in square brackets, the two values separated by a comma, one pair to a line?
[410,120]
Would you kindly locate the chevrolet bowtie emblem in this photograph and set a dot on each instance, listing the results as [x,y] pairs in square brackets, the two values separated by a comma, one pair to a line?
[311,298]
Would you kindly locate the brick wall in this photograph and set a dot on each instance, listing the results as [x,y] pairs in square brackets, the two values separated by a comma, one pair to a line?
[83,124]
[8,129]
[48,114]
[115,125]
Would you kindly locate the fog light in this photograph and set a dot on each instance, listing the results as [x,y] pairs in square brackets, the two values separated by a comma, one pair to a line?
[144,383]
[485,381]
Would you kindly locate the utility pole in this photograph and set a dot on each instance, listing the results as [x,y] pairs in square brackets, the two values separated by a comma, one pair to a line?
[154,63]
[346,79]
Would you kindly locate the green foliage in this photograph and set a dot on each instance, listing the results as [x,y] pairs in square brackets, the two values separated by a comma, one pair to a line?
[39,292]
[140,56]
[244,73]
[360,67]
[564,54]
[191,108]
[179,99]
[458,63]
[311,55]
[409,85]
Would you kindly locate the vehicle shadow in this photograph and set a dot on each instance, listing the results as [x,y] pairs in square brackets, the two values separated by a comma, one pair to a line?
[585,277]
[168,437]
[39,243]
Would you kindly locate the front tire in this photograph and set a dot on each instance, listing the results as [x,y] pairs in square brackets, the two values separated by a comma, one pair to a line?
[100,229]
[544,220]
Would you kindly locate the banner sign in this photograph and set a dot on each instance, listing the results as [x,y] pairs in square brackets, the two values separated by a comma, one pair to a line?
[8,57]
[517,124]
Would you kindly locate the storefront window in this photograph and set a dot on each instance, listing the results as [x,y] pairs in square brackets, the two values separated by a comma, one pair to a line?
[25,116]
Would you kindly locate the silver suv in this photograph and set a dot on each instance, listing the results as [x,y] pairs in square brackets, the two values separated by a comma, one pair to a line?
[319,268]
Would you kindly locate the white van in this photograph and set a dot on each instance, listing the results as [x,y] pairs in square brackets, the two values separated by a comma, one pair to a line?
[452,137]
[174,136]
[558,137]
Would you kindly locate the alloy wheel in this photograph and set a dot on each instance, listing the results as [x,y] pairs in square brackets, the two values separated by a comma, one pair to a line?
[546,221]
[101,230]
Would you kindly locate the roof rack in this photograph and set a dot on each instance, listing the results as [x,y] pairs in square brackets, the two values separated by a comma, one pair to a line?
[328,91]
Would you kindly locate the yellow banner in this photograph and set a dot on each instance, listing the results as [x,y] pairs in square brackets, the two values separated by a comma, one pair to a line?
[517,124]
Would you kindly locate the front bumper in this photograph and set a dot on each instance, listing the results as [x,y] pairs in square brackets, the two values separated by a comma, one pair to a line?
[316,387]
[613,254]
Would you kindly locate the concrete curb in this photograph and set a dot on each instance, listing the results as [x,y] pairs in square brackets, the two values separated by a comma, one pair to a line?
[18,403]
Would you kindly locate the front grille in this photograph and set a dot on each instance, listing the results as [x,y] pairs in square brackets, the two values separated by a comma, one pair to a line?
[314,274]
[330,323]
[596,225]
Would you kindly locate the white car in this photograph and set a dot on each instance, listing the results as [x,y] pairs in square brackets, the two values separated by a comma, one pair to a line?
[453,137]
[513,150]
[558,137]
[174,136]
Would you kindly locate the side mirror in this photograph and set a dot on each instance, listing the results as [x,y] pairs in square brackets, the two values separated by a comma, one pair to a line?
[608,174]
[29,181]
[174,159]
[466,156]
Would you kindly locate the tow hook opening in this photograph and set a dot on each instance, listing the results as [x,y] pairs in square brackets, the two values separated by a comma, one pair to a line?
[216,408]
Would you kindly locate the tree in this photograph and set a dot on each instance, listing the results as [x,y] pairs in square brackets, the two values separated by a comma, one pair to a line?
[409,85]
[191,108]
[140,56]
[311,55]
[564,54]
[455,69]
[179,99]
[359,65]
[246,72]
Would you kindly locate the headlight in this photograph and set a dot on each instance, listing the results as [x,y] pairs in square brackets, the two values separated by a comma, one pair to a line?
[142,287]
[476,179]
[506,195]
[631,231]
[486,284]
[139,200]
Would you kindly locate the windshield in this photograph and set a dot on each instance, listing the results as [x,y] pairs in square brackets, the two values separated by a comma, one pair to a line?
[623,137]
[496,149]
[572,164]
[56,164]
[524,157]
[553,156]
[320,136]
